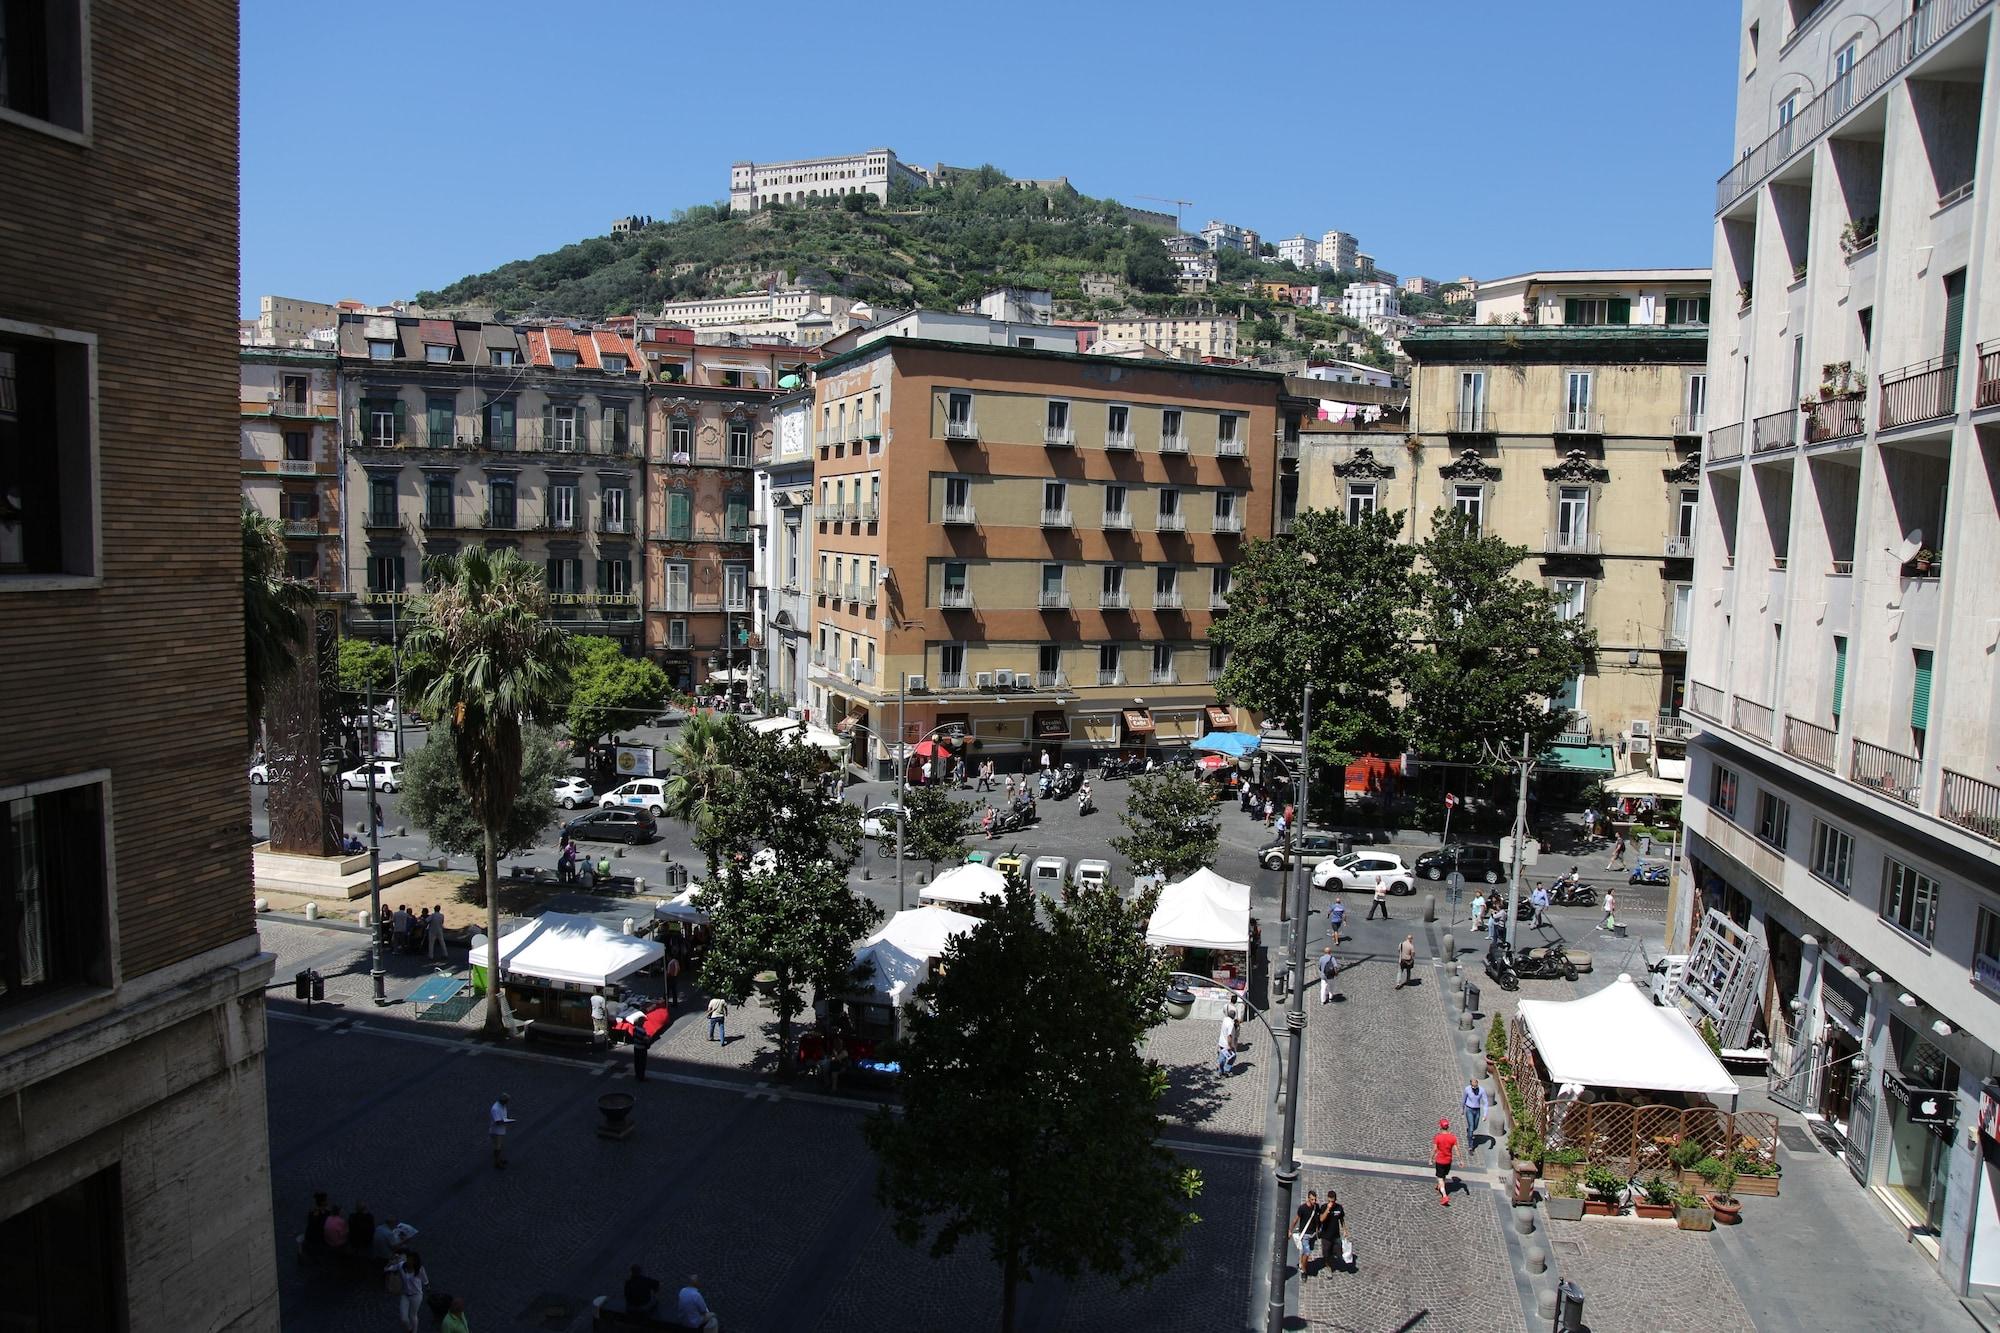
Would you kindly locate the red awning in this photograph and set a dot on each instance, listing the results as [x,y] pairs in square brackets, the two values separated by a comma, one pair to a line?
[1222,719]
[1138,722]
[1051,725]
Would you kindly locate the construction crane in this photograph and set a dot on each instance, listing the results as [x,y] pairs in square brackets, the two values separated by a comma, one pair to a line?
[1178,204]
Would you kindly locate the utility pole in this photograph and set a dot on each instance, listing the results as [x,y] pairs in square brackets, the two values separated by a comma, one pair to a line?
[375,977]
[902,773]
[1527,762]
[1295,1028]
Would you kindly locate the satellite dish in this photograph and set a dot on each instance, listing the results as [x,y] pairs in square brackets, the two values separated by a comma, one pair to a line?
[1913,542]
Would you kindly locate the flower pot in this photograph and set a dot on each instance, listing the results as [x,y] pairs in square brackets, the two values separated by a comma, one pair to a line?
[1564,1210]
[766,984]
[1695,1219]
[1656,1210]
[1599,1208]
[1728,1211]
[1756,1187]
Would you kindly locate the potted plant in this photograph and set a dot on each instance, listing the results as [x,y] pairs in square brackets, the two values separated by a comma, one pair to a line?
[1743,294]
[1799,271]
[1691,1213]
[1723,1202]
[1565,1200]
[1657,1197]
[1607,1192]
[1496,1045]
[1858,234]
[1923,560]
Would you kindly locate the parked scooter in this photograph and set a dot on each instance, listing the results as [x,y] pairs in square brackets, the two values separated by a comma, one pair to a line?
[1500,968]
[1544,962]
[1067,780]
[1085,804]
[1569,894]
[1650,872]
[1117,766]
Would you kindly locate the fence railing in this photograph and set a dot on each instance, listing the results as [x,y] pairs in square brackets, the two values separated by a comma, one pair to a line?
[1778,430]
[1704,701]
[1726,442]
[1810,742]
[1972,804]
[1923,392]
[1837,418]
[1989,375]
[1885,771]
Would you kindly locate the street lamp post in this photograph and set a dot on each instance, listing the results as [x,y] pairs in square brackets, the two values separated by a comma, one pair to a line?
[1295,1027]
[375,978]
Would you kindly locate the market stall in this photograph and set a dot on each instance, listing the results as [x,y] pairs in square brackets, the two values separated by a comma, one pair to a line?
[551,966]
[898,958]
[802,733]
[1619,1039]
[1206,919]
[970,885]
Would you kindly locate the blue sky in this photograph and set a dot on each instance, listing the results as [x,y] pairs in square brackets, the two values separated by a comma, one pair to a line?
[393,147]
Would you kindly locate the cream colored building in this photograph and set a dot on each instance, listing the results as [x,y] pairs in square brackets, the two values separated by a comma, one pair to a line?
[1203,335]
[291,455]
[1669,297]
[748,308]
[755,185]
[1582,445]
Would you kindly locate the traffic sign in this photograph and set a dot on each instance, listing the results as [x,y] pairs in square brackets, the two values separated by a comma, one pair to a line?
[1450,801]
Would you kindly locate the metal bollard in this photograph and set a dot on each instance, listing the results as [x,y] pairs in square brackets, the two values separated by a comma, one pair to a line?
[1570,1318]
[1450,948]
[1430,907]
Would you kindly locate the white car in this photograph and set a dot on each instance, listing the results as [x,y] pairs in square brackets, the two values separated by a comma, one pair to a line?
[1360,872]
[260,774]
[388,775]
[879,821]
[648,794]
[572,791]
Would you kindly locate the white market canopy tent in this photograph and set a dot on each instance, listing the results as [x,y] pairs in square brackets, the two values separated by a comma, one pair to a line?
[556,946]
[898,956]
[1637,783]
[728,676]
[1203,911]
[1618,1038]
[683,906]
[968,883]
[816,736]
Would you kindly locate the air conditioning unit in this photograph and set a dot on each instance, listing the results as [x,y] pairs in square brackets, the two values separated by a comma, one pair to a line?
[1641,728]
[1024,681]
[919,685]
[1003,679]
[983,680]
[1679,548]
[1640,744]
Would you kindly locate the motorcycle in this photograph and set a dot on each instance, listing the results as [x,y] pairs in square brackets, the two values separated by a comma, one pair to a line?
[1067,780]
[1650,872]
[1572,895]
[1117,767]
[1013,819]
[1500,969]
[1544,962]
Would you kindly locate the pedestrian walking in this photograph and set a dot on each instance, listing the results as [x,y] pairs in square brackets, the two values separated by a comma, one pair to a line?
[1590,821]
[1336,917]
[408,1279]
[642,1044]
[924,780]
[1333,1231]
[1305,1229]
[1406,959]
[600,1018]
[434,932]
[718,1019]
[1617,861]
[454,1320]
[1610,921]
[1329,968]
[1225,1044]
[1381,902]
[1476,1104]
[1444,1152]
[1540,898]
[673,971]
[1478,910]
[498,1119]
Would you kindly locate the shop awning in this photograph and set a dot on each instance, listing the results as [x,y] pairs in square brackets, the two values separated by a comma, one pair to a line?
[1641,784]
[1579,758]
[1138,722]
[1673,770]
[1618,1038]
[1051,725]
[1228,742]
[1222,719]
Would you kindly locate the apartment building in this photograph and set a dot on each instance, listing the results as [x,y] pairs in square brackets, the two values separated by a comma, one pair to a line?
[965,326]
[1661,297]
[135,1186]
[463,434]
[1301,250]
[1197,335]
[778,306]
[1370,300]
[1065,528]
[286,321]
[781,576]
[1421,286]
[1844,799]
[290,407]
[1340,251]
[755,185]
[1229,236]
[1581,443]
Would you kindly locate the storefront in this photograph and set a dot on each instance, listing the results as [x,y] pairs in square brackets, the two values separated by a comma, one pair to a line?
[1920,1107]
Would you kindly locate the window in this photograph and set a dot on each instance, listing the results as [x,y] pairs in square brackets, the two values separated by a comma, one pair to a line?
[381,500]
[1048,664]
[680,515]
[565,575]
[62,1261]
[1833,856]
[385,574]
[616,365]
[1170,507]
[1114,501]
[1052,586]
[384,422]
[1055,498]
[562,505]
[41,61]
[955,591]
[436,352]
[736,516]
[1170,428]
[1839,676]
[614,577]
[500,423]
[563,360]
[52,894]
[739,444]
[736,587]
[1118,421]
[1690,509]
[1360,500]
[1587,310]
[1909,899]
[1218,658]
[503,356]
[1576,399]
[1954,313]
[302,565]
[1226,431]
[951,665]
[440,416]
[1219,584]
[958,412]
[1844,58]
[678,578]
[1572,517]
[1681,616]
[1471,398]
[1569,698]
[957,495]
[1695,402]
[1163,664]
[500,502]
[563,427]
[1227,519]
[381,349]
[680,439]
[1114,580]
[437,501]
[48,486]
[616,431]
[1469,499]
[1166,585]
[613,501]
[677,634]
[1687,310]
[1722,792]
[1774,820]
[1057,422]
[298,446]
[1986,951]
[1920,696]
[1108,670]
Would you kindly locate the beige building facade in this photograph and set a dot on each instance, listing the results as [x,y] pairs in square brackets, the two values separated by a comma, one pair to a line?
[1202,335]
[291,455]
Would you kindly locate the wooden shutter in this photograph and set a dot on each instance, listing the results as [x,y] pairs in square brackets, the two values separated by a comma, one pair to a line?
[1839,675]
[1920,692]
[548,425]
[1620,310]
[1954,312]
[603,576]
[679,512]
[553,578]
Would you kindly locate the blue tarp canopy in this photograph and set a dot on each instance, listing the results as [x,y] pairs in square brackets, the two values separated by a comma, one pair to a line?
[1238,743]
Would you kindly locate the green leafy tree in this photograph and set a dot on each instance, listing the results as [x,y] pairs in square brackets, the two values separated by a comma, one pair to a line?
[277,611]
[435,800]
[491,663]
[1329,604]
[1170,825]
[1050,1108]
[1147,265]
[935,825]
[702,768]
[610,691]
[365,666]
[1491,647]
[780,902]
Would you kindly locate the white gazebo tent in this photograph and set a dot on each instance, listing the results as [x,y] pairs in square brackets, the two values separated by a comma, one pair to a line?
[684,906]
[897,958]
[574,952]
[1202,911]
[967,884]
[1618,1038]
[805,733]
[1641,783]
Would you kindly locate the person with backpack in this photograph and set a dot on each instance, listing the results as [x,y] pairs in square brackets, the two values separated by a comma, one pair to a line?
[1329,968]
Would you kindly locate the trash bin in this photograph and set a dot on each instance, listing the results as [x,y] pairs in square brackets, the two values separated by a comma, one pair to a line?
[1569,1308]
[308,986]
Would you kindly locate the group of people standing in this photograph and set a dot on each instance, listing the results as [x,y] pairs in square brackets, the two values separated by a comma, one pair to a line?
[414,932]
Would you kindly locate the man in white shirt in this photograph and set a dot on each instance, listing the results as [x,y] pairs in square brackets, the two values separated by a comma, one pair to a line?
[497,1129]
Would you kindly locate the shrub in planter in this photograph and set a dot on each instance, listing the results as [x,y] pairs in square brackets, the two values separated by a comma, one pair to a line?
[1565,1201]
[1686,1153]
[1723,1202]
[1657,1199]
[1691,1213]
[1496,1044]
[1607,1191]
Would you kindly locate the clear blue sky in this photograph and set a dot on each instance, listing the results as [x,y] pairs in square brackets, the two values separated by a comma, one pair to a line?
[393,147]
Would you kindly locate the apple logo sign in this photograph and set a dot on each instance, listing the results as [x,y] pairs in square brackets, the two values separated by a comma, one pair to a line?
[1929,1106]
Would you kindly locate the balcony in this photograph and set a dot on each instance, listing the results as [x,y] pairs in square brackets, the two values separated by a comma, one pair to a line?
[1704,701]
[620,526]
[1809,742]
[1678,548]
[1971,804]
[1927,391]
[1057,518]
[1166,599]
[1218,601]
[1690,426]
[1886,771]
[958,515]
[1753,719]
[1288,450]
[1051,680]
[1776,431]
[1579,421]
[860,672]
[1116,440]
[1110,677]
[870,428]
[1475,421]
[1114,599]
[951,680]
[1230,448]
[1175,443]
[1118,520]
[1989,375]
[298,467]
[382,518]
[1564,541]
[443,437]
[1282,524]
[967,429]
[316,409]
[1229,523]
[500,520]
[867,511]
[1172,523]
[1163,676]
[558,523]
[955,597]
[1058,437]
[1725,442]
[678,601]
[304,527]
[1054,599]
[1838,418]
[438,520]
[1672,727]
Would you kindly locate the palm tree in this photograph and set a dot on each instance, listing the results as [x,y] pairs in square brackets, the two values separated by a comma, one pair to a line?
[488,662]
[277,612]
[701,768]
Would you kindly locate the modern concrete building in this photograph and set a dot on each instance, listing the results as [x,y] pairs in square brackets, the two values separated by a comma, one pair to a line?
[135,1188]
[1061,540]
[1421,286]
[1661,297]
[755,185]
[1340,251]
[290,430]
[461,434]
[1843,807]
[781,577]
[962,326]
[1017,305]
[1301,250]
[1367,300]
[778,305]
[1580,443]
[1229,236]
[1195,335]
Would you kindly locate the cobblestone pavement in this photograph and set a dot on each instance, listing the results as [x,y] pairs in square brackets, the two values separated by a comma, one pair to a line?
[1642,1274]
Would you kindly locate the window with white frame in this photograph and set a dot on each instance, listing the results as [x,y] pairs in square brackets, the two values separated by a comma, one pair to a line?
[1055,499]
[1227,516]
[1166,585]
[562,505]
[1590,310]
[1722,792]
[951,665]
[1163,664]
[564,574]
[1833,856]
[1909,899]
[1469,499]
[1218,658]
[1360,500]
[736,587]
[1687,513]
[48,470]
[1053,592]
[1114,503]
[791,555]
[1220,580]
[1112,583]
[679,584]
[1774,820]
[1109,671]
[1682,614]
[1227,431]
[958,410]
[1057,419]
[1569,598]
[1572,517]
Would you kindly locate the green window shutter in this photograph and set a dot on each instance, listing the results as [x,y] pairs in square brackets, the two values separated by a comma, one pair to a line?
[1920,692]
[548,424]
[1839,675]
[1954,312]
[739,513]
[1621,310]
[604,576]
[1569,310]
[399,419]
[679,515]
[1704,310]
[551,578]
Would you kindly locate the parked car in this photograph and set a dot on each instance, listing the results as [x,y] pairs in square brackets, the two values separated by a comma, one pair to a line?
[621,824]
[1311,847]
[1477,862]
[388,775]
[573,791]
[879,821]
[1092,874]
[1360,872]
[260,773]
[648,794]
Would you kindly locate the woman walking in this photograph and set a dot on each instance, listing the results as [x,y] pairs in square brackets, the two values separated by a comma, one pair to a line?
[407,1279]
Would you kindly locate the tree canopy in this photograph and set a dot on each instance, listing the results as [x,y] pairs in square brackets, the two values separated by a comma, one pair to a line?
[366,665]
[935,825]
[277,611]
[1170,823]
[434,797]
[610,691]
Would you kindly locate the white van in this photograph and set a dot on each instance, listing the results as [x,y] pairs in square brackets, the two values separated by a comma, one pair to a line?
[648,794]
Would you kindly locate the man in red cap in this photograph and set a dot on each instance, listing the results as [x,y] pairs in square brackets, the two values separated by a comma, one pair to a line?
[1444,1151]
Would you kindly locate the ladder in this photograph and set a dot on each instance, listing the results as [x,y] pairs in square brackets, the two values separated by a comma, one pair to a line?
[1724,976]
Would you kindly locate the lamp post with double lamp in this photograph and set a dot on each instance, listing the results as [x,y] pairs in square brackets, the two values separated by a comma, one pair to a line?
[376,980]
[900,754]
